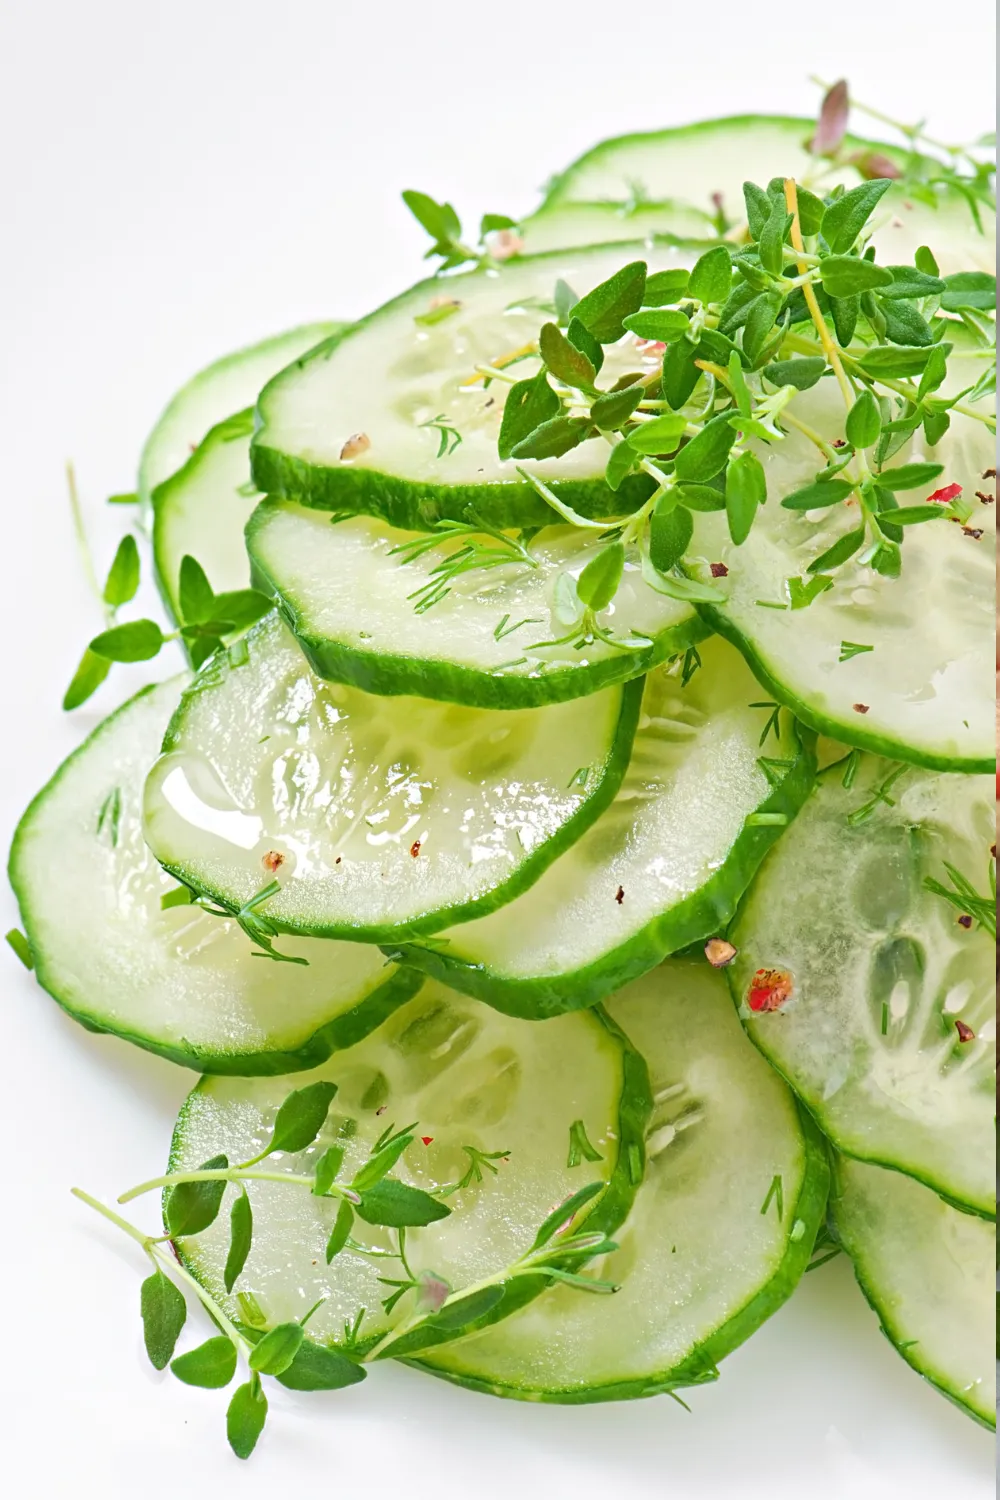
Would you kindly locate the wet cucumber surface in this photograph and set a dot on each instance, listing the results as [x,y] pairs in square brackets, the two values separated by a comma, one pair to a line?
[872,994]
[372,817]
[176,981]
[663,867]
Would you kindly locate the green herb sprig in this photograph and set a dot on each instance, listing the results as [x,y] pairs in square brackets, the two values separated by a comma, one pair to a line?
[795,297]
[258,927]
[207,617]
[445,229]
[192,1202]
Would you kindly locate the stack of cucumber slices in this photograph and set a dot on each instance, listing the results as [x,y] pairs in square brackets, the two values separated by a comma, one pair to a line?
[568,853]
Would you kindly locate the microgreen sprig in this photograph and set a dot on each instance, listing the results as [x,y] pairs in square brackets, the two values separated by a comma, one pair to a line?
[793,297]
[497,233]
[192,1202]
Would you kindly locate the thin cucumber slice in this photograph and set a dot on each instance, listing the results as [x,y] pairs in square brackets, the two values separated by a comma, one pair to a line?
[700,805]
[376,818]
[900,666]
[202,511]
[225,386]
[929,1272]
[691,163]
[567,224]
[348,595]
[469,1078]
[179,982]
[413,392]
[722,1228]
[705,165]
[889,1028]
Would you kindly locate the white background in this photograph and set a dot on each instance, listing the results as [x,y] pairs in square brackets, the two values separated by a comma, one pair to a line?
[177,179]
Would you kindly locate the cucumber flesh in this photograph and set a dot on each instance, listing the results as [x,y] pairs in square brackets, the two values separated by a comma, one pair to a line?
[404,386]
[662,868]
[348,596]
[377,817]
[225,386]
[883,973]
[202,511]
[468,1077]
[924,693]
[929,1272]
[701,1262]
[179,982]
[567,224]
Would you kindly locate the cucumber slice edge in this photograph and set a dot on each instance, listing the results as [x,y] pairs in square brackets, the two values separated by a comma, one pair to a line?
[697,917]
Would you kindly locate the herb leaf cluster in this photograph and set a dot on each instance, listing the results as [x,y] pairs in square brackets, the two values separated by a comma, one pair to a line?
[193,1200]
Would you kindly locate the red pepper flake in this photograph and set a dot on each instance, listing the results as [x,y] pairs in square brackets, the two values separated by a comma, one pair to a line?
[860,708]
[769,989]
[426,1139]
[620,894]
[989,473]
[338,859]
[944,496]
[965,921]
[974,531]
[993,851]
[382,1109]
[273,861]
[719,570]
[965,1033]
[415,848]
[839,443]
[719,952]
[985,499]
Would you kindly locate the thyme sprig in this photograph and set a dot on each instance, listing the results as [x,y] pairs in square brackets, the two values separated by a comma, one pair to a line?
[793,297]
[192,1202]
[207,617]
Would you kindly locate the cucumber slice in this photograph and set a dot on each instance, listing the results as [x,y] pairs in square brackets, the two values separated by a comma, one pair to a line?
[722,1228]
[696,813]
[924,692]
[225,386]
[348,596]
[469,1077]
[405,386]
[567,224]
[378,818]
[690,163]
[202,511]
[695,164]
[928,1271]
[179,982]
[884,975]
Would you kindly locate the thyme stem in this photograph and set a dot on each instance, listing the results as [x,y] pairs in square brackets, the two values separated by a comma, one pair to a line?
[233,1174]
